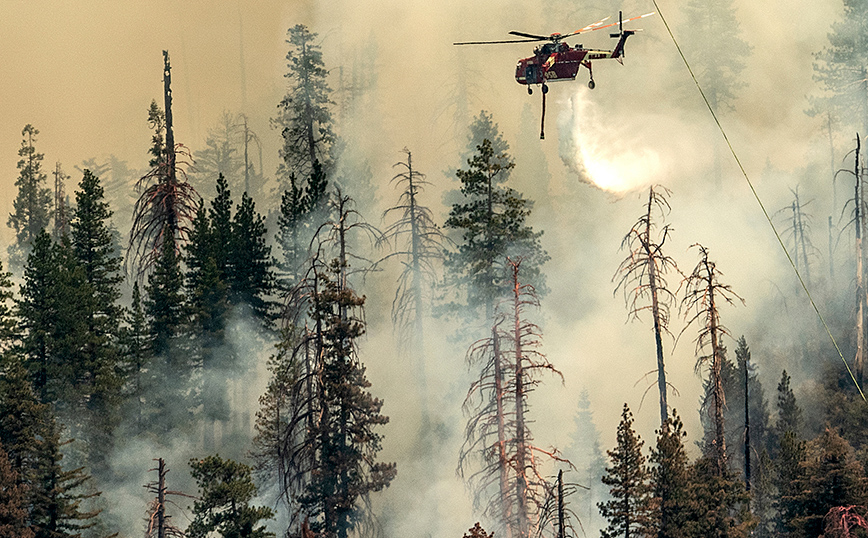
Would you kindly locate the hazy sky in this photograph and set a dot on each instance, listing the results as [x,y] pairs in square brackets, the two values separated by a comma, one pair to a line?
[84,74]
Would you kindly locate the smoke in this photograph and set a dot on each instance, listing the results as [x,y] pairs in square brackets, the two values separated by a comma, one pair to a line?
[608,156]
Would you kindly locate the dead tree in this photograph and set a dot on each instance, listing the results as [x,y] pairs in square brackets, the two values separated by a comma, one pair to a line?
[843,522]
[167,202]
[497,433]
[858,223]
[798,231]
[641,277]
[158,521]
[419,245]
[704,293]
[61,218]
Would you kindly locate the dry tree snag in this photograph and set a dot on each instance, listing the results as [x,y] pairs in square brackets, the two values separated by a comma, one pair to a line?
[497,433]
[642,278]
[167,203]
[419,245]
[703,294]
[842,522]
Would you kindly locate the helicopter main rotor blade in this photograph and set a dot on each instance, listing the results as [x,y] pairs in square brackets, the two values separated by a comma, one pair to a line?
[593,27]
[497,42]
[532,36]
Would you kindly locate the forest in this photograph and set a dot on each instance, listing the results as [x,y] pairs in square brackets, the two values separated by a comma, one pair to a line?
[291,271]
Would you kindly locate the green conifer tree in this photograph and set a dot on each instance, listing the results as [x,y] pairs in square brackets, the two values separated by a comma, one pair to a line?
[251,277]
[629,510]
[226,489]
[670,480]
[842,68]
[719,505]
[168,318]
[101,382]
[32,205]
[305,117]
[831,477]
[492,222]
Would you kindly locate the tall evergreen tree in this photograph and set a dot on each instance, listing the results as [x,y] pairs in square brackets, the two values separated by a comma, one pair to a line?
[832,477]
[629,510]
[226,489]
[670,480]
[93,247]
[32,205]
[167,314]
[304,113]
[317,428]
[492,222]
[302,210]
[842,68]
[52,329]
[136,355]
[719,503]
[251,280]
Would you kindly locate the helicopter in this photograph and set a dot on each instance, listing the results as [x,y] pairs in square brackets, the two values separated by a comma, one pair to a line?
[556,61]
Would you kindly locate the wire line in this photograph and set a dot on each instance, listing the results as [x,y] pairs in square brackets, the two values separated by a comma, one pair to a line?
[759,201]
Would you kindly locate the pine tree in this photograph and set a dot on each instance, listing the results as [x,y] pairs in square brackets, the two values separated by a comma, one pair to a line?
[585,453]
[788,474]
[32,205]
[831,477]
[50,323]
[305,116]
[347,440]
[841,68]
[223,505]
[251,280]
[643,279]
[317,427]
[704,293]
[492,222]
[93,248]
[13,502]
[167,314]
[670,480]
[789,413]
[719,503]
[629,510]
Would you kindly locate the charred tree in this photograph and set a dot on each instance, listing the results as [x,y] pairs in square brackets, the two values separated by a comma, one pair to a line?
[642,278]
[167,203]
[704,293]
[159,525]
[317,428]
[419,246]
[498,441]
[858,223]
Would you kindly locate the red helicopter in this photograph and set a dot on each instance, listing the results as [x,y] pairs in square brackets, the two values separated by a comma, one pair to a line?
[556,61]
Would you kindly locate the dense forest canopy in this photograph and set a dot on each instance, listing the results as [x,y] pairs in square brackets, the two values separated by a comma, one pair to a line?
[317,259]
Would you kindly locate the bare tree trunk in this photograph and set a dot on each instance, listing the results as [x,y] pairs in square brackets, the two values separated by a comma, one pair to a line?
[860,287]
[172,219]
[655,312]
[521,442]
[717,384]
[418,332]
[503,463]
[747,477]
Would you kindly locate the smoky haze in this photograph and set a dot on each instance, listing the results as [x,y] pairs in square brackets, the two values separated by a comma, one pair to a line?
[84,73]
